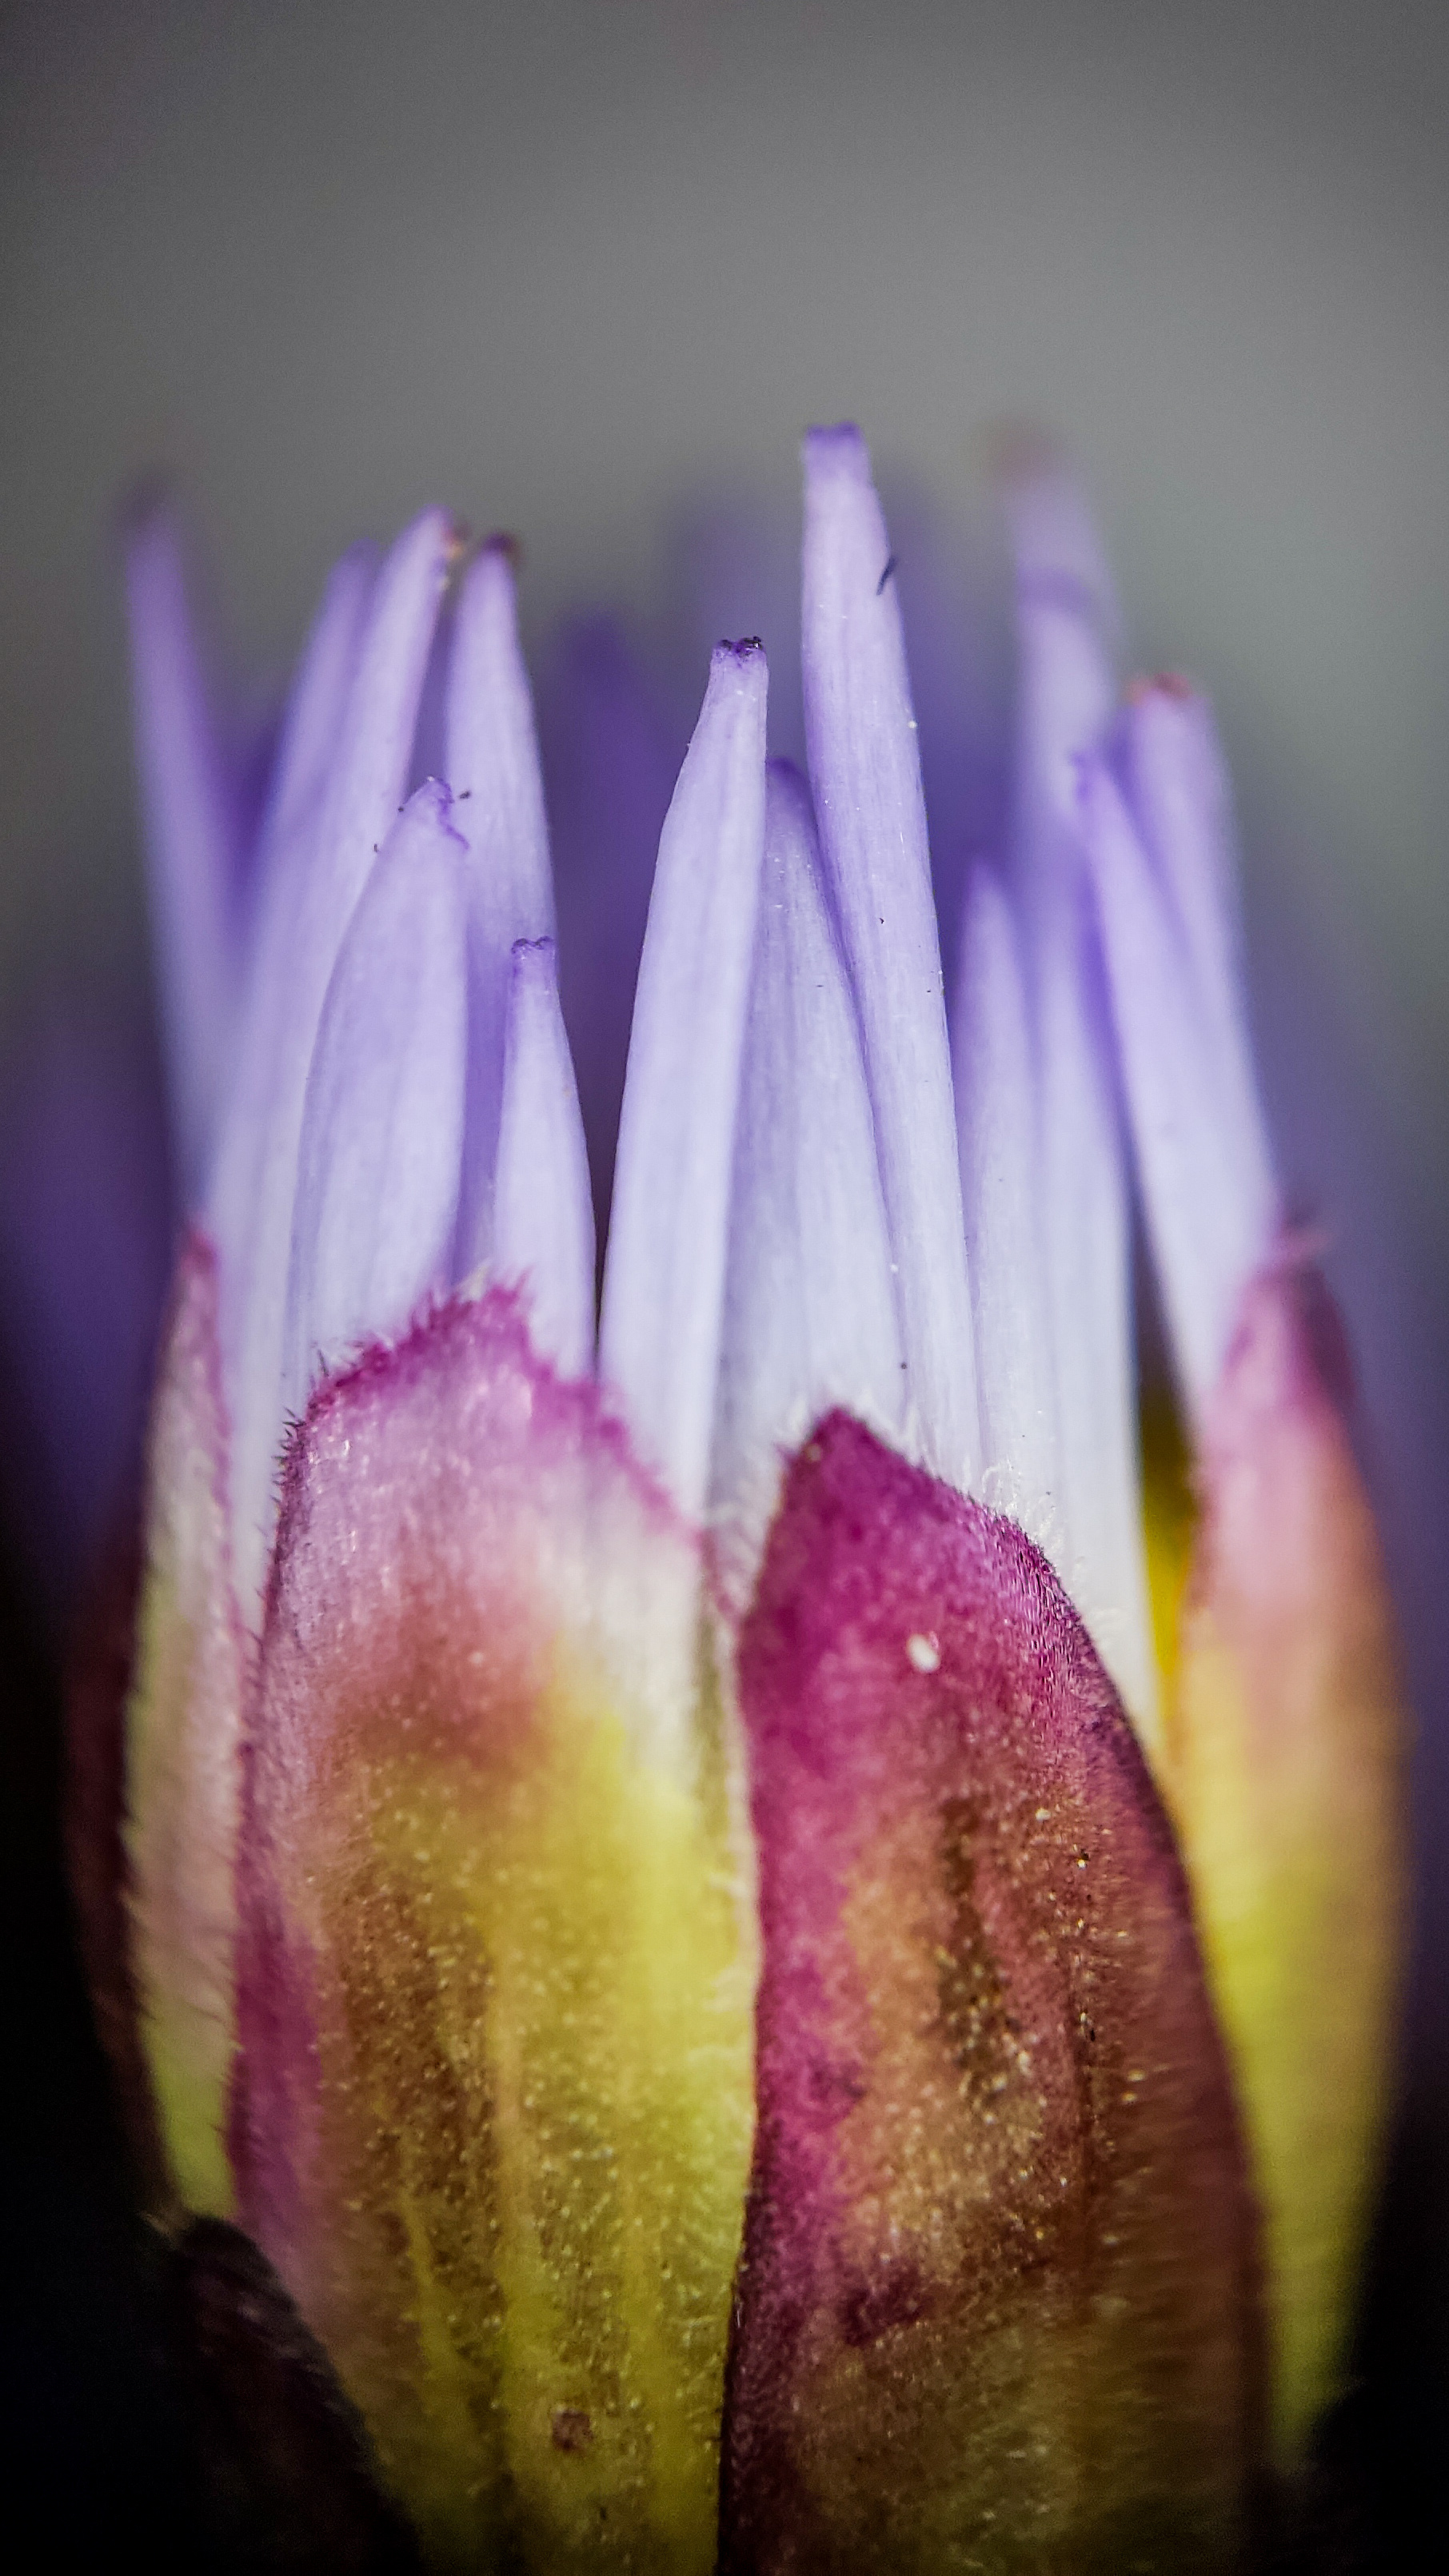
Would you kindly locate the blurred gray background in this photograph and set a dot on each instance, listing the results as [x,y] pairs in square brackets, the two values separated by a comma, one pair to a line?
[571,263]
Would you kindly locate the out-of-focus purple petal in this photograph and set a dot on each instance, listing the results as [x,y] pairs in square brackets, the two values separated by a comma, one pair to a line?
[382,1130]
[316,701]
[997,2304]
[1177,785]
[611,756]
[866,775]
[810,1307]
[190,839]
[543,1215]
[1202,1157]
[491,764]
[85,1241]
[997,1112]
[1065,622]
[257,1176]
[668,1233]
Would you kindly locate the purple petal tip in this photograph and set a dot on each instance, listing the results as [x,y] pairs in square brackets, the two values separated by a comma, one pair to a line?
[838,450]
[747,649]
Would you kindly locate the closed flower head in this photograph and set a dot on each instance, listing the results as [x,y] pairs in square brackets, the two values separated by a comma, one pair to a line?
[772,1894]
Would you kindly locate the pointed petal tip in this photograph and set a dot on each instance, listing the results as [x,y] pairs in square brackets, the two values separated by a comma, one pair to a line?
[490,565]
[438,531]
[432,804]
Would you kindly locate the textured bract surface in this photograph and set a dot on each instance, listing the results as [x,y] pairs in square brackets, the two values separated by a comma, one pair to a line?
[997,2307]
[1285,1771]
[493,2123]
[182,1776]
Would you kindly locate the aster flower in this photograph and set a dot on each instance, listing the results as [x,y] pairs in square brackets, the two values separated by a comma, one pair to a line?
[788,1964]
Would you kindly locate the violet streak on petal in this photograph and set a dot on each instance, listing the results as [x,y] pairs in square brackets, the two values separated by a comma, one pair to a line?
[668,1232]
[358,808]
[810,1310]
[1064,624]
[190,841]
[543,1214]
[382,1129]
[997,1112]
[865,772]
[996,2304]
[492,767]
[1201,1155]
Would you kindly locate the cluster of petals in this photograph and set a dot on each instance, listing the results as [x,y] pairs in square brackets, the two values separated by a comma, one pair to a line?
[781,1932]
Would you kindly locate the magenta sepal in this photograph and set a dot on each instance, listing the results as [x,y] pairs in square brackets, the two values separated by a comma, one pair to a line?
[998,2300]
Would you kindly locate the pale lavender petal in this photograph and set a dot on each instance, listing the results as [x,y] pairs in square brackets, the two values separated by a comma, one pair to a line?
[866,774]
[319,690]
[313,713]
[315,704]
[543,1214]
[810,1306]
[1206,1182]
[665,1271]
[491,763]
[382,1130]
[1177,785]
[190,840]
[997,1112]
[1065,626]
[354,815]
